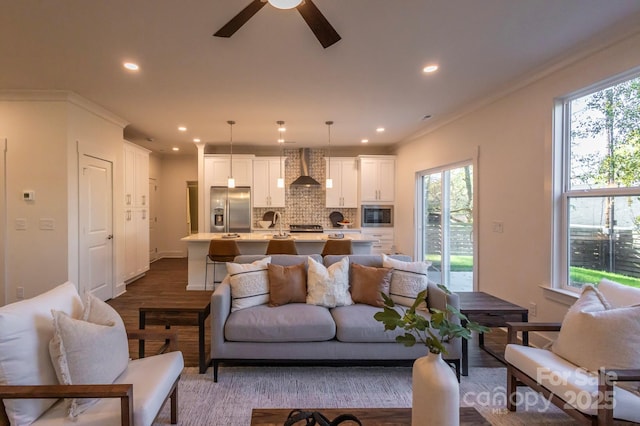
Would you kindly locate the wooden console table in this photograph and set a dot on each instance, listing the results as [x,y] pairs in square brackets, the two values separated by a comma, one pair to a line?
[191,309]
[490,311]
[368,416]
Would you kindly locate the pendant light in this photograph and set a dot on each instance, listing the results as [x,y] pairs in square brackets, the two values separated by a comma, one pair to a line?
[231,182]
[329,182]
[280,182]
[284,4]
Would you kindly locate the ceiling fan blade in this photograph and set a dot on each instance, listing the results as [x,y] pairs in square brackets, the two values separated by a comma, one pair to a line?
[240,19]
[323,30]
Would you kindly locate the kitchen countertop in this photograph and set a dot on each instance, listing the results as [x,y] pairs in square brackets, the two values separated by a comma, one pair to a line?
[255,237]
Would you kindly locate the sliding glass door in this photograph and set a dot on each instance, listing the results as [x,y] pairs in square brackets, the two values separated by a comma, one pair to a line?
[445,225]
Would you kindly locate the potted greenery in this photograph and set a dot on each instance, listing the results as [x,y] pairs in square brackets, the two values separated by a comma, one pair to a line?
[433,380]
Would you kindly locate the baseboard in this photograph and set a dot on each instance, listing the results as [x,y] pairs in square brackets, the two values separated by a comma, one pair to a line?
[171,254]
[120,289]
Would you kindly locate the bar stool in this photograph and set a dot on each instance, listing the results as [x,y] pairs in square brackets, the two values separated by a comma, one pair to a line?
[220,251]
[342,246]
[281,247]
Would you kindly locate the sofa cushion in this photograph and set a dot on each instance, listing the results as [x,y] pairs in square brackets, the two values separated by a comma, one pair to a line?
[287,284]
[25,331]
[355,323]
[574,385]
[408,279]
[152,379]
[294,322]
[590,330]
[367,283]
[328,287]
[249,283]
[79,345]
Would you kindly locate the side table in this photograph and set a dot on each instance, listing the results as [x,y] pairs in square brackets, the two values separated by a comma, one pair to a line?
[192,309]
[489,311]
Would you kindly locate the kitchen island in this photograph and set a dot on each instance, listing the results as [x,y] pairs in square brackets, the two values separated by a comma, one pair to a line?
[256,243]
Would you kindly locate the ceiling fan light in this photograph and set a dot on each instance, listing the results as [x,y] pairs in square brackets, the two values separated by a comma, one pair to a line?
[284,4]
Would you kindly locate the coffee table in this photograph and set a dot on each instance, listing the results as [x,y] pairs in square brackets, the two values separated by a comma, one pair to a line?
[490,311]
[191,309]
[368,416]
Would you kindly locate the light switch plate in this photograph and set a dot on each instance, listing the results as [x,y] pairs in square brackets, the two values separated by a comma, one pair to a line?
[47,224]
[21,224]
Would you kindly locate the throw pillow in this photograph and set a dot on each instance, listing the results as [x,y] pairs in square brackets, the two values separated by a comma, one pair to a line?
[593,335]
[287,284]
[328,287]
[249,283]
[91,350]
[367,282]
[408,279]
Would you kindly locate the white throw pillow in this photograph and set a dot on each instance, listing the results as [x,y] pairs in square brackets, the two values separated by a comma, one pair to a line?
[25,331]
[91,350]
[619,295]
[328,287]
[594,336]
[249,283]
[407,280]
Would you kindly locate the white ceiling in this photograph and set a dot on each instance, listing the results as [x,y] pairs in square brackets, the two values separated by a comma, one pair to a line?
[273,68]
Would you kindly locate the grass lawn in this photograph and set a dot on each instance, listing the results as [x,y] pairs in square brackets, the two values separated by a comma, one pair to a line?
[590,276]
[458,263]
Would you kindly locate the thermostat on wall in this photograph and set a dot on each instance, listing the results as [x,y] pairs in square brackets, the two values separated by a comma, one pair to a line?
[28,195]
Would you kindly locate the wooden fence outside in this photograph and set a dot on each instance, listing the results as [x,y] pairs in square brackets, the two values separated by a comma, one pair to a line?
[591,249]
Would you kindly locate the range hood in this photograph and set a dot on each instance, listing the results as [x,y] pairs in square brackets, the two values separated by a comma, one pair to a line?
[304,179]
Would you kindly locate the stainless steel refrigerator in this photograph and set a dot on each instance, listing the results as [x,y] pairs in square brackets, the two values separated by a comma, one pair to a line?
[230,209]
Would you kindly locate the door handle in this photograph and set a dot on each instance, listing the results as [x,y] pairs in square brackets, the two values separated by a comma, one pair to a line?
[110,237]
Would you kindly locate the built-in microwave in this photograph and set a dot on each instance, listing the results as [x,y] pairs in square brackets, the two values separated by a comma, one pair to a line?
[377,216]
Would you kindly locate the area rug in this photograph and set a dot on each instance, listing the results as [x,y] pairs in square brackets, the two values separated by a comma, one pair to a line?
[239,389]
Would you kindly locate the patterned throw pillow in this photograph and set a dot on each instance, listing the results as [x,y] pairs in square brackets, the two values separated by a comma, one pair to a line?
[91,350]
[249,283]
[408,279]
[328,287]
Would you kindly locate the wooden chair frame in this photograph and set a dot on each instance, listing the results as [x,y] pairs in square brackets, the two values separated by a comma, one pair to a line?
[124,392]
[606,380]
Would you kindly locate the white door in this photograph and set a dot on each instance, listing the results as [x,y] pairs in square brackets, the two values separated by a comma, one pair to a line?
[96,227]
[153,220]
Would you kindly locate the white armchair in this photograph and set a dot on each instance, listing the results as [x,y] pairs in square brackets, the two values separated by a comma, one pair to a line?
[30,389]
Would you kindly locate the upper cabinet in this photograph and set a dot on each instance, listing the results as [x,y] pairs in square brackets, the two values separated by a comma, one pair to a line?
[266,171]
[344,173]
[377,178]
[217,170]
[136,176]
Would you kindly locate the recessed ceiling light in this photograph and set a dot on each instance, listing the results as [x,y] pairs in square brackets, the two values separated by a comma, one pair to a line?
[284,4]
[430,68]
[131,66]
[182,129]
[175,148]
[196,139]
[364,140]
[380,129]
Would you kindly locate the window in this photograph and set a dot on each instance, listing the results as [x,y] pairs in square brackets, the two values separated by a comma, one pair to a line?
[598,206]
[445,224]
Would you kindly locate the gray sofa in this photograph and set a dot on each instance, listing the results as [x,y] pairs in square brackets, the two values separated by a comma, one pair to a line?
[302,333]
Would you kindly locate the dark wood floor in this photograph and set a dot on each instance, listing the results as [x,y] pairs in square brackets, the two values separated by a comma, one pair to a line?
[167,279]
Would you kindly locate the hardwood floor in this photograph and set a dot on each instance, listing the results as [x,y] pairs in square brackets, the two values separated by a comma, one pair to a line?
[167,279]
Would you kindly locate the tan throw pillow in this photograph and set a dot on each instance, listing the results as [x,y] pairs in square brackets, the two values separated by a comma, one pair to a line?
[287,284]
[91,350]
[249,283]
[408,279]
[328,287]
[367,282]
[594,336]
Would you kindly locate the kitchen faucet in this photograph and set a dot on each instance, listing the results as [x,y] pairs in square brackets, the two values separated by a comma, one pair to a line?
[277,217]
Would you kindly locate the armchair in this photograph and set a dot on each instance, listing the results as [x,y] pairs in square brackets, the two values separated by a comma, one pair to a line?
[30,390]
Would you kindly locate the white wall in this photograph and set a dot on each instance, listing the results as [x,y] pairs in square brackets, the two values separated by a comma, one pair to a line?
[174,172]
[513,138]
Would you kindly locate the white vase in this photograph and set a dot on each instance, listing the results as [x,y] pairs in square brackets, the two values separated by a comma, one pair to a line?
[436,393]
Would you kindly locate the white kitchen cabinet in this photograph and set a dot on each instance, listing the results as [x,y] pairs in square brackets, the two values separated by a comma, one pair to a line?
[344,173]
[384,236]
[136,211]
[217,168]
[266,171]
[377,178]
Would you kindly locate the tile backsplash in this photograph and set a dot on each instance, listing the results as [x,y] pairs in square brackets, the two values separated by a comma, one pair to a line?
[305,205]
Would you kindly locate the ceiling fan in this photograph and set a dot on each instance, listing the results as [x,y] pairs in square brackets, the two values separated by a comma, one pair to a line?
[322,29]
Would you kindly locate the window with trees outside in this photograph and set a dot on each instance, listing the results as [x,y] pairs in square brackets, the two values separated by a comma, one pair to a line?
[445,225]
[599,203]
